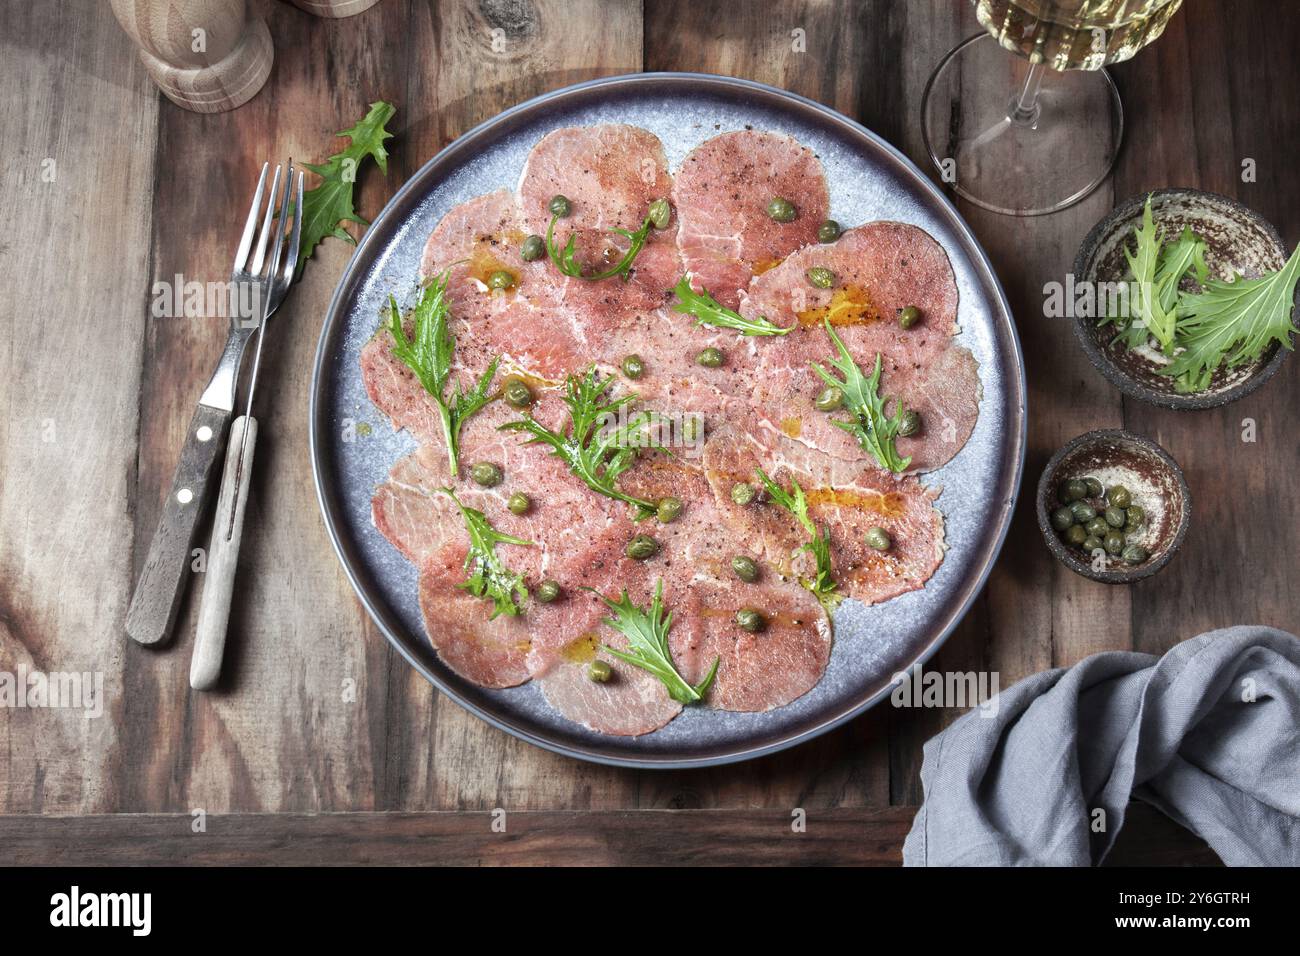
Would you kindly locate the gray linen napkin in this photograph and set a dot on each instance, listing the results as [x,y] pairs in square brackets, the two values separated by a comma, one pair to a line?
[1209,733]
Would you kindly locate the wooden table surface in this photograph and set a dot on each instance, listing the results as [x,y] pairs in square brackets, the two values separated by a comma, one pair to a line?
[97,395]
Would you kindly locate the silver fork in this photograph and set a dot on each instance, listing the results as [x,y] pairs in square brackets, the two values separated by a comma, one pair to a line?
[152,613]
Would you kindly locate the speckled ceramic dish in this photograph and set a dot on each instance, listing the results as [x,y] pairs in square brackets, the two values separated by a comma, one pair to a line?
[868,180]
[1239,241]
[1156,483]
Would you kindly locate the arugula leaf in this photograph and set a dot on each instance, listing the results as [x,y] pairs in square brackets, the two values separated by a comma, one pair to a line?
[326,207]
[870,425]
[646,630]
[708,311]
[1232,322]
[429,356]
[594,450]
[568,264]
[488,575]
[822,584]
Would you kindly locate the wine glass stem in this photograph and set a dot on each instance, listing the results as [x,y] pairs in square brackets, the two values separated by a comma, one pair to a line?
[1024,108]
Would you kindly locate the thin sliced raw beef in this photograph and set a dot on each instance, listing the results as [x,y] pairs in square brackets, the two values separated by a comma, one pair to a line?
[529,323]
[757,671]
[880,268]
[489,653]
[610,175]
[847,497]
[721,195]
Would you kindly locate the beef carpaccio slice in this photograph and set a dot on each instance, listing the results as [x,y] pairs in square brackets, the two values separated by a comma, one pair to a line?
[721,194]
[491,653]
[881,267]
[847,497]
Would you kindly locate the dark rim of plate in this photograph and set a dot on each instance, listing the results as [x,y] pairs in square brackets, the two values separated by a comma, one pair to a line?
[1083,330]
[684,83]
[1046,486]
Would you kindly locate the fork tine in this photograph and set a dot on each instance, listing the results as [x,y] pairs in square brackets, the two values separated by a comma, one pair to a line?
[259,257]
[246,240]
[291,253]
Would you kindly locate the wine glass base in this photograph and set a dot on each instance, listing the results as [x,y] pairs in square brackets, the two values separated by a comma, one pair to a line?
[1025,166]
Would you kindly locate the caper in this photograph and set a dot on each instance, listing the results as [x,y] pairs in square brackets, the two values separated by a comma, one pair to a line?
[1062,518]
[518,503]
[1092,543]
[781,210]
[660,212]
[486,474]
[599,671]
[1134,554]
[546,592]
[908,316]
[1094,487]
[909,424]
[501,279]
[668,509]
[1134,516]
[641,547]
[1098,527]
[1115,517]
[517,393]
[1083,512]
[821,278]
[1075,535]
[828,231]
[532,248]
[746,569]
[742,493]
[1114,542]
[879,539]
[748,619]
[633,367]
[1073,490]
[710,357]
[560,206]
[1119,496]
[829,399]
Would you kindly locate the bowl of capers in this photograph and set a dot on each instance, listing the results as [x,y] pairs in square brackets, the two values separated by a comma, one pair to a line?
[1113,506]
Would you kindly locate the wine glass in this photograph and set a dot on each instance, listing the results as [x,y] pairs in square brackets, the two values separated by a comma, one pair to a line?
[1030,134]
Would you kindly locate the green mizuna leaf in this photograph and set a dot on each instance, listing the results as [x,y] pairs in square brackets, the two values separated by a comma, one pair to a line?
[822,584]
[1233,322]
[566,259]
[327,206]
[489,577]
[870,425]
[594,449]
[429,355]
[646,630]
[1146,301]
[708,311]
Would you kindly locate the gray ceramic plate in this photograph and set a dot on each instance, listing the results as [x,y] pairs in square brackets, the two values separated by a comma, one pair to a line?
[869,180]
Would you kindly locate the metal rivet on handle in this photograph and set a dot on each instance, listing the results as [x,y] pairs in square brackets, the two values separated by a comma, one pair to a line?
[204,433]
[185,496]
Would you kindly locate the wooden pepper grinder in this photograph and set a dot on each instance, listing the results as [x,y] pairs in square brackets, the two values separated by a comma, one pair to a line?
[205,55]
[335,9]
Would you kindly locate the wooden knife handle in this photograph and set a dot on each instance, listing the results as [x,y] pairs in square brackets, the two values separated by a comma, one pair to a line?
[157,594]
[223,556]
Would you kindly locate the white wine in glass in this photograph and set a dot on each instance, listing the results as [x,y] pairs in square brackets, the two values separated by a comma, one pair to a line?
[1035,132]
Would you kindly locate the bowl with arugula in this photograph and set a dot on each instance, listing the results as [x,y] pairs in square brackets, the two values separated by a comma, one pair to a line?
[1191,298]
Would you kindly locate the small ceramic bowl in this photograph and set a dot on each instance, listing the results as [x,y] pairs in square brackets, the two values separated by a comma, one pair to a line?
[1238,240]
[1156,483]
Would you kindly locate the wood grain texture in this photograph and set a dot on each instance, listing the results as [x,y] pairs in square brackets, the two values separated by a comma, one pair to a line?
[76,258]
[316,713]
[832,837]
